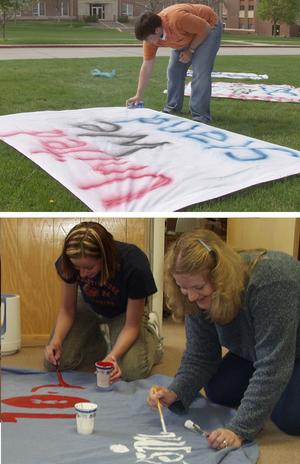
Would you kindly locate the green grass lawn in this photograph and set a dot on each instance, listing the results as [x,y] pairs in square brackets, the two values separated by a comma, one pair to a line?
[76,32]
[46,32]
[254,38]
[35,85]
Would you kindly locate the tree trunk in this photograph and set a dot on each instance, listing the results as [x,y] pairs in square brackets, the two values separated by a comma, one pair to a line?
[4,24]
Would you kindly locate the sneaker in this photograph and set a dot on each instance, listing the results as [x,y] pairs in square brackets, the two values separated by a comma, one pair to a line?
[201,119]
[168,110]
[106,335]
[153,324]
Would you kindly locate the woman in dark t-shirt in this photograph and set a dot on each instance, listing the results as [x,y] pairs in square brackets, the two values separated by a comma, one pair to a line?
[105,284]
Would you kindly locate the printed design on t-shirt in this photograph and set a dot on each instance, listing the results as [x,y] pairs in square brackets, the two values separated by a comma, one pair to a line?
[105,295]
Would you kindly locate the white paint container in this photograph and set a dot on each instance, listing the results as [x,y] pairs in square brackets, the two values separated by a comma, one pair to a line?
[85,417]
[10,324]
[103,370]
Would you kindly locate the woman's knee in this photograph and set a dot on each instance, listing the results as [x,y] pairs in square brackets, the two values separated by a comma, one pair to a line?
[132,372]
[289,424]
[48,366]
[135,364]
[64,365]
[286,414]
[218,395]
[229,384]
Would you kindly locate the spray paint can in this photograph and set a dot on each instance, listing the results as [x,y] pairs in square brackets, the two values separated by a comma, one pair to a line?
[140,104]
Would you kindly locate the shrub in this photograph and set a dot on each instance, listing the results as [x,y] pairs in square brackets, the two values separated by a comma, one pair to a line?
[90,19]
[123,19]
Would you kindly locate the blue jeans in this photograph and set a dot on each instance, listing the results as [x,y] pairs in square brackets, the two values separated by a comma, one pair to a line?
[228,386]
[202,63]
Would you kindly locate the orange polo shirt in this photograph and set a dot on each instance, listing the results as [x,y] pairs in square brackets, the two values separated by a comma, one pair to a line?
[181,23]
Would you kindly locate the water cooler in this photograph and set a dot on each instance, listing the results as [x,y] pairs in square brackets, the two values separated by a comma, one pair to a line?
[10,324]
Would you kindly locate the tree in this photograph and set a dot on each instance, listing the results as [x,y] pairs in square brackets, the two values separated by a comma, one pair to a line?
[6,7]
[10,8]
[217,6]
[278,11]
[158,5]
[153,5]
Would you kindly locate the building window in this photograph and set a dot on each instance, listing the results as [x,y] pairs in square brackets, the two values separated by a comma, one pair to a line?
[250,7]
[64,8]
[243,25]
[242,10]
[39,9]
[127,9]
[98,10]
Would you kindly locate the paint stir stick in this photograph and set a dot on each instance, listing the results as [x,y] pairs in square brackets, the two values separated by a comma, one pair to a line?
[161,416]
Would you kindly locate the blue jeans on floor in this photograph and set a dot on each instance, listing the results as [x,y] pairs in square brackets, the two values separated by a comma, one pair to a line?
[202,64]
[228,385]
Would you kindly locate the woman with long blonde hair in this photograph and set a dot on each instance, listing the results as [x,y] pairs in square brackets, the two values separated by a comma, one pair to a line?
[105,283]
[249,303]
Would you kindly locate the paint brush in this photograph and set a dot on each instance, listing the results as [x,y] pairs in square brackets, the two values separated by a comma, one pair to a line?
[162,420]
[190,425]
[59,375]
[161,416]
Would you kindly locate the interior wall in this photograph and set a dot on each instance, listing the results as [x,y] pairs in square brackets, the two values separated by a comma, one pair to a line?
[272,233]
[157,247]
[29,248]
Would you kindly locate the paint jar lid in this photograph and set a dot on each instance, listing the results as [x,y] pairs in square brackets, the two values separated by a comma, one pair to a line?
[86,407]
[104,365]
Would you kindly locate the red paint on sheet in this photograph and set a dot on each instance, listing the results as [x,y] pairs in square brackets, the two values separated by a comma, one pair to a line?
[49,401]
[155,181]
[61,383]
[106,169]
[60,148]
[40,402]
[13,416]
[43,401]
[50,133]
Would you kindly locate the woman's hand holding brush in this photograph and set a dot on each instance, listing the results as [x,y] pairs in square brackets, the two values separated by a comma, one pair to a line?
[165,396]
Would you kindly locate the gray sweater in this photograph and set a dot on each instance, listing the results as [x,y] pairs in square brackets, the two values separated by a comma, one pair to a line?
[266,331]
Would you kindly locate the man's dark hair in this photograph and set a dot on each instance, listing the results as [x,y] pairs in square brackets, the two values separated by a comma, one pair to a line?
[146,25]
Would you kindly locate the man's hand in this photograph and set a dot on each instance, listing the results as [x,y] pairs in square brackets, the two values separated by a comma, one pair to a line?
[185,56]
[133,101]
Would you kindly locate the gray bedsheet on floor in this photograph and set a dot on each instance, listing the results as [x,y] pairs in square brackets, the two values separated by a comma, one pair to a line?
[123,418]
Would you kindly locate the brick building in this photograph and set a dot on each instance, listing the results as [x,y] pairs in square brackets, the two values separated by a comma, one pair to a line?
[237,14]
[107,10]
[241,14]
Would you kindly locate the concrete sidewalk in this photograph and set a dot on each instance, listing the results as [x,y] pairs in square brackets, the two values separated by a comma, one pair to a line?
[23,52]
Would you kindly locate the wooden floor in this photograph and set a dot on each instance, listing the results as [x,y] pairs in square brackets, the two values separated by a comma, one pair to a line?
[275,446]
